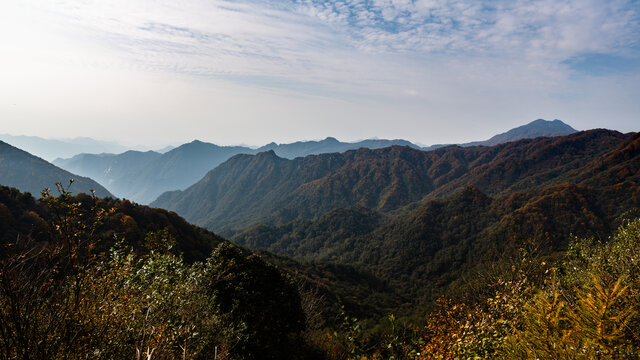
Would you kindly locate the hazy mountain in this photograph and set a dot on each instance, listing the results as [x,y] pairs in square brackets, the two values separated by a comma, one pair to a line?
[166,149]
[115,171]
[328,145]
[32,174]
[142,176]
[264,188]
[50,149]
[533,129]
[536,128]
[177,169]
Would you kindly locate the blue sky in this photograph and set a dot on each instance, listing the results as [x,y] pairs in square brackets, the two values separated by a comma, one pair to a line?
[230,72]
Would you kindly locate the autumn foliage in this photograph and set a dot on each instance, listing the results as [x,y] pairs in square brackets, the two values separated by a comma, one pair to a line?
[586,307]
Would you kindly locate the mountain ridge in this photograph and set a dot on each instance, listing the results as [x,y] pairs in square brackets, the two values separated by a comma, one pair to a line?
[248,189]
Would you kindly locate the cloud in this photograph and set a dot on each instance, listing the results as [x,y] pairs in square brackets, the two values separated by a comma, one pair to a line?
[330,43]
[541,28]
[417,58]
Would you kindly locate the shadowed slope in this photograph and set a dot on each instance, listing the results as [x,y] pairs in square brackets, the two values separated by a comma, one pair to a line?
[32,174]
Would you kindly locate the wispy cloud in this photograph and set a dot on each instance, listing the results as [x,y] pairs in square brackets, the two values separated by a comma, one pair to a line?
[343,42]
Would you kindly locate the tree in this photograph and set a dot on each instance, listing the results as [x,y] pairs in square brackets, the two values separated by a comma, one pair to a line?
[260,308]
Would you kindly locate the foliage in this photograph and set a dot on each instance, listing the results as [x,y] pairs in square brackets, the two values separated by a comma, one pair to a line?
[63,299]
[41,285]
[590,311]
[261,309]
[587,308]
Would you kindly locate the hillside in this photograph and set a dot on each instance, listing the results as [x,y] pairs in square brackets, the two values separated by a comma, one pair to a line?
[264,188]
[32,174]
[23,216]
[134,268]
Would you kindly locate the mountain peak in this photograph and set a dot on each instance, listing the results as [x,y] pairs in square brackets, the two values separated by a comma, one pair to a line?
[267,154]
[536,128]
[191,146]
[549,124]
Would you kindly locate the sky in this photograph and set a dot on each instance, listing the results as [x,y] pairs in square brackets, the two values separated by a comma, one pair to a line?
[145,72]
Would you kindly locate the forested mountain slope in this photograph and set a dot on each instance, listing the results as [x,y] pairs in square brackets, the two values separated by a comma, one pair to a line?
[22,216]
[142,176]
[266,189]
[422,251]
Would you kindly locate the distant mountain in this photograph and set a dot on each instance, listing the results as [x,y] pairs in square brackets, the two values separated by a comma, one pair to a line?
[32,174]
[50,149]
[166,149]
[142,176]
[533,129]
[116,172]
[267,189]
[536,128]
[177,169]
[328,145]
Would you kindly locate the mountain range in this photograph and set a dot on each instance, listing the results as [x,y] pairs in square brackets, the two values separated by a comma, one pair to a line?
[51,149]
[142,177]
[532,195]
[32,174]
[264,188]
